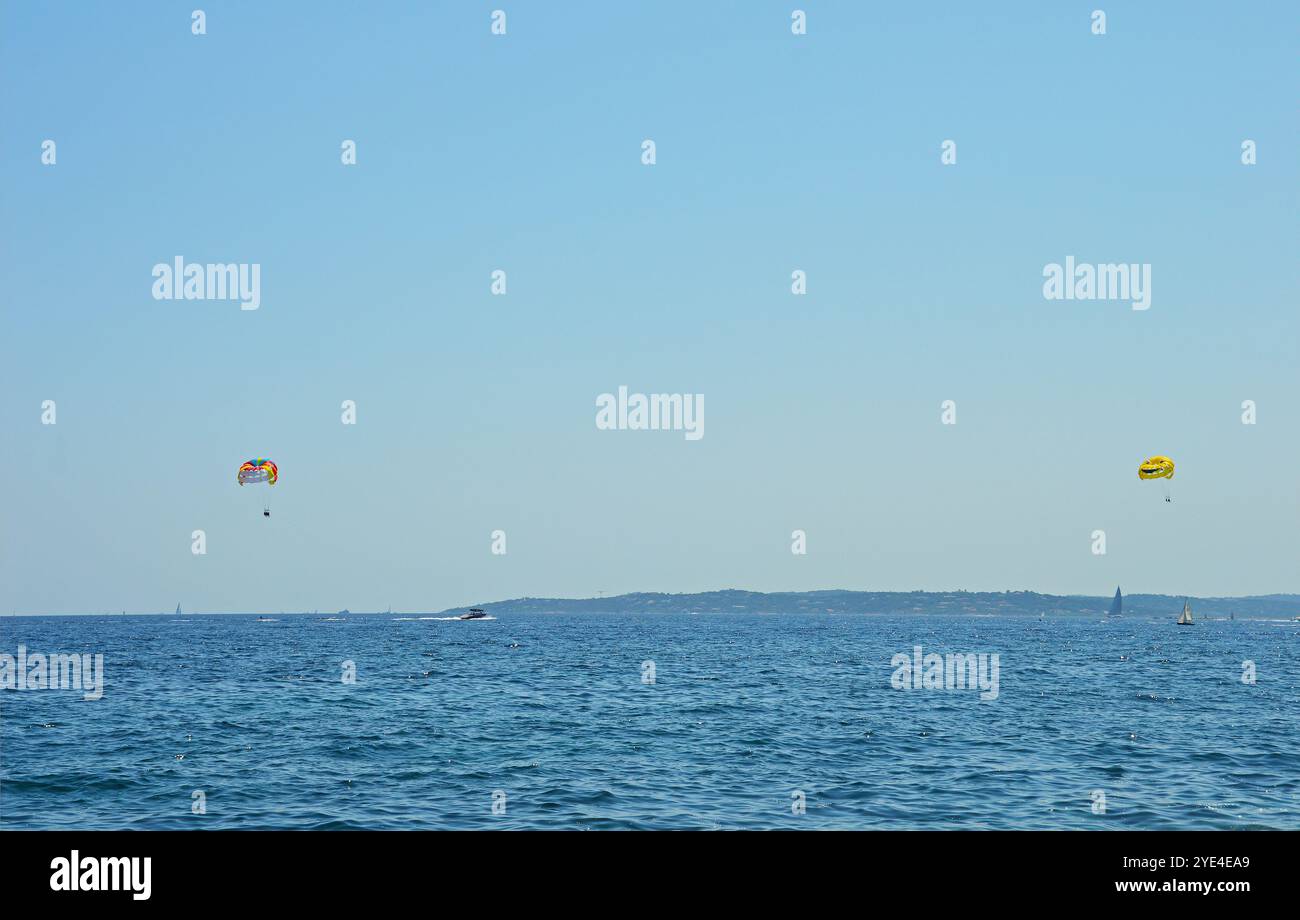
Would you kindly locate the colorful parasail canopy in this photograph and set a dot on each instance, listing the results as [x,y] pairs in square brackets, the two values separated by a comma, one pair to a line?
[261,470]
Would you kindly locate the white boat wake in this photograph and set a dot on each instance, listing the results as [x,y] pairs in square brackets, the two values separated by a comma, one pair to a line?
[443,619]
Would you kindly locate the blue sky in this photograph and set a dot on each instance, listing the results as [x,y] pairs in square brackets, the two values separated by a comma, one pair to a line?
[522,152]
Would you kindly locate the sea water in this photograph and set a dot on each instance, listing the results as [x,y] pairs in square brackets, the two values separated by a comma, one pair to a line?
[653,721]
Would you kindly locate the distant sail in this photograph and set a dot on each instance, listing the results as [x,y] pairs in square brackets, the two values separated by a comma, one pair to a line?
[178,609]
[1116,605]
[1185,619]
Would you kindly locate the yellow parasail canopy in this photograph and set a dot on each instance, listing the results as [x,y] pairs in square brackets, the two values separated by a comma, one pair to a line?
[1156,468]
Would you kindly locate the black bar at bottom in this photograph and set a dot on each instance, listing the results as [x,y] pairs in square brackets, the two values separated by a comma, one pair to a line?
[944,870]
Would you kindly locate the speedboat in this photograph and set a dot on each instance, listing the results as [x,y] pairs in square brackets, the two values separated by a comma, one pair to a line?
[475,613]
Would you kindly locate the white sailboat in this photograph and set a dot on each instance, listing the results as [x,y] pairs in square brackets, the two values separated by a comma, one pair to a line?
[1185,618]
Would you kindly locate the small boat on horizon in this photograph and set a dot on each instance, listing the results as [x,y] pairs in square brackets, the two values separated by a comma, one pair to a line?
[1185,618]
[1116,606]
[475,613]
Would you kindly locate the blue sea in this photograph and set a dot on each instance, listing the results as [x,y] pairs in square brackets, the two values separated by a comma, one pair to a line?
[600,721]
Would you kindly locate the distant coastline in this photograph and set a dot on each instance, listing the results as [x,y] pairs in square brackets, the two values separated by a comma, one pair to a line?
[920,603]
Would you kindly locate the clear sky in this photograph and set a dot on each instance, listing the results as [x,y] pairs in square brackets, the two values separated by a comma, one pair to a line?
[522,152]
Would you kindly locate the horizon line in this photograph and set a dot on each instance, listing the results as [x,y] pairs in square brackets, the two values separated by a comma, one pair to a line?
[614,597]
